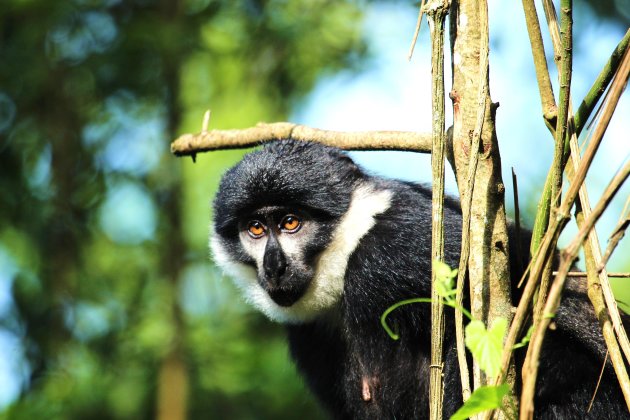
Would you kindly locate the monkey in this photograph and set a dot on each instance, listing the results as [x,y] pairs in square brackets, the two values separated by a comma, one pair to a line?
[316,243]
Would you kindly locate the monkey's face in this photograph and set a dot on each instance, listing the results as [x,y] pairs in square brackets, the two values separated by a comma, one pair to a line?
[287,220]
[277,257]
[281,246]
[291,263]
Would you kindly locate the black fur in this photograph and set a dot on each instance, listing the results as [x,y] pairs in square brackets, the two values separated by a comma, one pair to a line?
[346,353]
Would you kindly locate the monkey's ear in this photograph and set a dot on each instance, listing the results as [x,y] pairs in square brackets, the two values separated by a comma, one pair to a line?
[348,160]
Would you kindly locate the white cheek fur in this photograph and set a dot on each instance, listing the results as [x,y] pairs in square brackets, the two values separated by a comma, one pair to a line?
[327,285]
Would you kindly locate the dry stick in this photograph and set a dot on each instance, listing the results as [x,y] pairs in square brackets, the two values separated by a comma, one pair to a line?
[191,144]
[436,13]
[580,118]
[530,366]
[517,222]
[549,113]
[597,299]
[618,233]
[593,253]
[550,238]
[417,31]
[552,22]
[599,381]
[585,274]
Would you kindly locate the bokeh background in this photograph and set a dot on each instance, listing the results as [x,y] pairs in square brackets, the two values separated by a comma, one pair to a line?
[110,307]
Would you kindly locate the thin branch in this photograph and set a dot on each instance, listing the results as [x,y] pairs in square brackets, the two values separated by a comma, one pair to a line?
[517,223]
[599,381]
[417,31]
[562,129]
[585,274]
[601,83]
[599,86]
[584,111]
[191,144]
[592,250]
[566,69]
[554,28]
[550,238]
[618,233]
[530,366]
[550,110]
[609,71]
[436,13]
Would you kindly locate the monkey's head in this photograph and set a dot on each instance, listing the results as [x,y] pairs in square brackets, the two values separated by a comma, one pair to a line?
[286,220]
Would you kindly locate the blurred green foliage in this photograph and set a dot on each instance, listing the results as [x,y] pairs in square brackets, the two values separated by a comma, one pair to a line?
[107,292]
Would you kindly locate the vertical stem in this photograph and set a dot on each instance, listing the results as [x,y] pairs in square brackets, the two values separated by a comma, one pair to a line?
[436,11]
[566,61]
[482,102]
[540,62]
[489,270]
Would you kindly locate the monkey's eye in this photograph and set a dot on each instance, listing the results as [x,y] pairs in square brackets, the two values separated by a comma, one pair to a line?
[290,224]
[255,229]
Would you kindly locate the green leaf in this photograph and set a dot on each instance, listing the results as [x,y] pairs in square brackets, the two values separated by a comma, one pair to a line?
[445,279]
[486,345]
[442,270]
[484,398]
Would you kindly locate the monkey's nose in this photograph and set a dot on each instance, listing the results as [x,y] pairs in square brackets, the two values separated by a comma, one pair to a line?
[274,265]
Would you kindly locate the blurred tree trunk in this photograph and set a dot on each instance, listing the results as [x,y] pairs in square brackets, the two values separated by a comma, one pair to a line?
[173,378]
[64,228]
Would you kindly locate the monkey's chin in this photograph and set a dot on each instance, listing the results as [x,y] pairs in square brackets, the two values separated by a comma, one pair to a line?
[285,297]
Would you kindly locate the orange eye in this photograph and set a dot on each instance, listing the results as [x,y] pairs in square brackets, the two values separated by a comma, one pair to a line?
[255,229]
[290,224]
